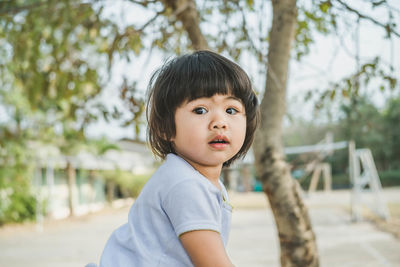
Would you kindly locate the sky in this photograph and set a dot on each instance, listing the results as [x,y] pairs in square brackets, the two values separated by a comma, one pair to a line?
[333,58]
[330,59]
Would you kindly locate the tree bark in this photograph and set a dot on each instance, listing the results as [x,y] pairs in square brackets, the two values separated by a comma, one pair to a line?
[110,184]
[297,239]
[186,12]
[92,196]
[71,183]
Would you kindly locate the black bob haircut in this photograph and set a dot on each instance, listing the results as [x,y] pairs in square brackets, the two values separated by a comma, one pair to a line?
[192,76]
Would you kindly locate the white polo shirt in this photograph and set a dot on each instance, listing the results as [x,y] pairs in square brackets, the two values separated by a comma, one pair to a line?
[175,200]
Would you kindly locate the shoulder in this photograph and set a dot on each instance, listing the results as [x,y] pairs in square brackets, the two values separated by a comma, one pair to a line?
[177,167]
[172,171]
[183,178]
[176,172]
[176,178]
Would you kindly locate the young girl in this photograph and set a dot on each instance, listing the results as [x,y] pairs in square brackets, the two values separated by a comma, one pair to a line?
[202,115]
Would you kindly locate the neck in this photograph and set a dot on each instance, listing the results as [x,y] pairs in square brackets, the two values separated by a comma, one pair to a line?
[212,173]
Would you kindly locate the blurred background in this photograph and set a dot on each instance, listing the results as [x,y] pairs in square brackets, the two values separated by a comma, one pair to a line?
[73,78]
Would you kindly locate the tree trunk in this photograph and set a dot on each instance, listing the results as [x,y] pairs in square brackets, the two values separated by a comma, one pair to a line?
[110,184]
[297,239]
[71,182]
[186,12]
[92,195]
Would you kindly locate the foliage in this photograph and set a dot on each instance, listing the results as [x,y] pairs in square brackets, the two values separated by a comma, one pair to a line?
[46,56]
[130,184]
[136,107]
[372,128]
[58,56]
[17,201]
[100,146]
[55,58]
[371,73]
[17,206]
[391,117]
[317,17]
[390,178]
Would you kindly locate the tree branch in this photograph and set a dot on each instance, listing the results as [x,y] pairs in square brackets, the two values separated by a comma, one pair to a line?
[186,12]
[17,9]
[151,20]
[143,3]
[389,29]
[259,53]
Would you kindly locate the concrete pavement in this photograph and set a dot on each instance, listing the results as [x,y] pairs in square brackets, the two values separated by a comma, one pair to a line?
[253,240]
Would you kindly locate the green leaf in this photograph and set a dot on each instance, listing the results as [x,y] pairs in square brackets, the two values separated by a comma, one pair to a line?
[332,95]
[325,6]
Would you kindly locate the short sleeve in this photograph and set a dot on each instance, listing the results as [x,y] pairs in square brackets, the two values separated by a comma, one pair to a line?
[193,205]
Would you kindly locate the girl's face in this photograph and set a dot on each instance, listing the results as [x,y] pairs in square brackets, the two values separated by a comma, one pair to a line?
[209,130]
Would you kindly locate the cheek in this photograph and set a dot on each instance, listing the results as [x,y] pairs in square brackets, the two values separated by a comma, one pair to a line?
[243,135]
[187,132]
[240,130]
[243,125]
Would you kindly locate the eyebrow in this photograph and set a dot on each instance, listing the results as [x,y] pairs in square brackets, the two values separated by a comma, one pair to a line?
[230,97]
[233,98]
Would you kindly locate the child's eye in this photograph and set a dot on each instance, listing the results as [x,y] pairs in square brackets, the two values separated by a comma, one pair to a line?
[200,111]
[231,111]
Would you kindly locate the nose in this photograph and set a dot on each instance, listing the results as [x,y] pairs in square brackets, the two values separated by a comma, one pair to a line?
[218,122]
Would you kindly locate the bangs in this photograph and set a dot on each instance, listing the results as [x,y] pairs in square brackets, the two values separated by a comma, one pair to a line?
[208,81]
[200,76]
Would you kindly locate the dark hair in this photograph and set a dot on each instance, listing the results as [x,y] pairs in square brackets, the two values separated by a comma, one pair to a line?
[192,76]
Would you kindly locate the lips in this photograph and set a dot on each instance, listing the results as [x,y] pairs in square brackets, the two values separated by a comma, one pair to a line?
[219,139]
[219,142]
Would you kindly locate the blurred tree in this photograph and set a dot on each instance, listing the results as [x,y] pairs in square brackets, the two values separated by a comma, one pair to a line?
[55,53]
[135,105]
[370,127]
[17,200]
[55,59]
[363,123]
[392,133]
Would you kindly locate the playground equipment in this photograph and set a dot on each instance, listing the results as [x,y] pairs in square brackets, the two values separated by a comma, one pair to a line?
[364,178]
[316,166]
[362,172]
[325,168]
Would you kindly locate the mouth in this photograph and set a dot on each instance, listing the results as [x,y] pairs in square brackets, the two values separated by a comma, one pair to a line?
[219,141]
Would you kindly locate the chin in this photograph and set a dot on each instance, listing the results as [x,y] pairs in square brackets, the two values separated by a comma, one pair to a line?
[217,161]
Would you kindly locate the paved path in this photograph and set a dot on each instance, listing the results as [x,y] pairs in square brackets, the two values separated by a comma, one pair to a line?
[253,241]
